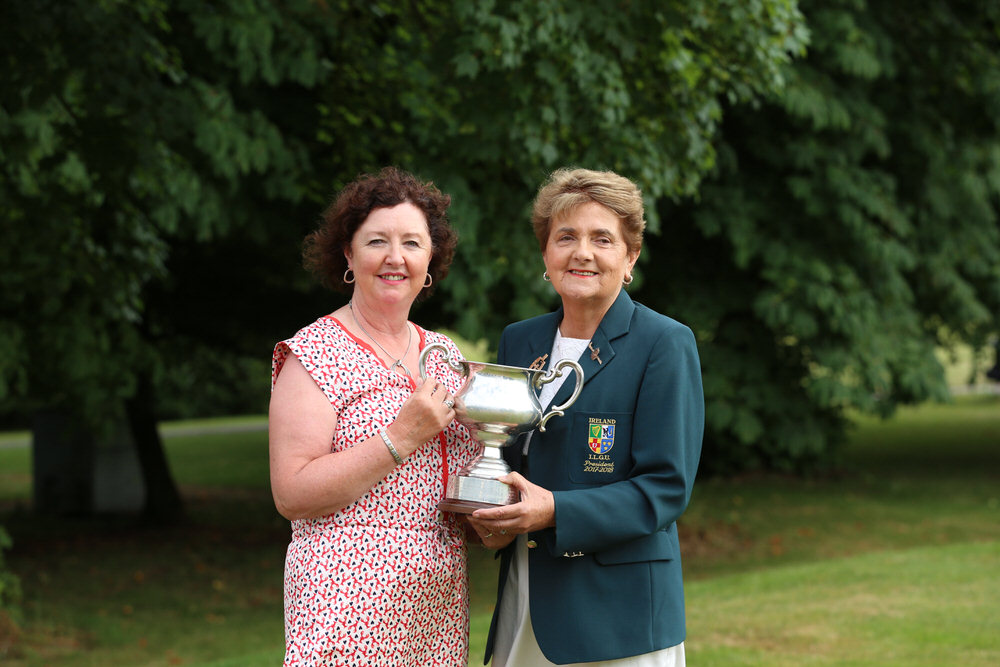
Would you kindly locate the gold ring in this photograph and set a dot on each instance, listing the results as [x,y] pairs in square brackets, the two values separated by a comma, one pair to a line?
[487,536]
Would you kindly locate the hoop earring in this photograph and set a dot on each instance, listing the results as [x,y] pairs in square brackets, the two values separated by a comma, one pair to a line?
[428,281]
[346,281]
[545,277]
[627,282]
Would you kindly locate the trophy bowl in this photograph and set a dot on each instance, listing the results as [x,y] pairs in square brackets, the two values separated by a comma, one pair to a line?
[496,403]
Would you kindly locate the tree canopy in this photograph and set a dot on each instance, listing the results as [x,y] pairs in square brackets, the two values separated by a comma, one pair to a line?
[161,162]
[147,145]
[116,145]
[850,229]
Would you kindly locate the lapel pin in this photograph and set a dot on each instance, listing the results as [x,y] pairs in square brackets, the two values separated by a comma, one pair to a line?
[539,363]
[594,352]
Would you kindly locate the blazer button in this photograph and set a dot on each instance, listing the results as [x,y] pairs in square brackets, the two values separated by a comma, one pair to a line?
[532,544]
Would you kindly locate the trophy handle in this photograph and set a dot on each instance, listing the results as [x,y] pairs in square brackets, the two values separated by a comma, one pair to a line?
[554,373]
[454,365]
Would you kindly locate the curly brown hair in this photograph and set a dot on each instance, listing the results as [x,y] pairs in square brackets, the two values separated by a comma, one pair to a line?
[323,249]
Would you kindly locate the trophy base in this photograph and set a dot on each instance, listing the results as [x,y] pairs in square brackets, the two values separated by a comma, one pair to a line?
[467,494]
[463,506]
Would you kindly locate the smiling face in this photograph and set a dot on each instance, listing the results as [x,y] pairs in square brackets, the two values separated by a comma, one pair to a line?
[389,254]
[586,256]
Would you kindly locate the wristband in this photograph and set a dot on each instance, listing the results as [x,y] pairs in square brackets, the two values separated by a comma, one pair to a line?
[388,443]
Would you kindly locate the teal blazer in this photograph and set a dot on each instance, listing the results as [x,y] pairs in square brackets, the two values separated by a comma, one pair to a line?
[605,582]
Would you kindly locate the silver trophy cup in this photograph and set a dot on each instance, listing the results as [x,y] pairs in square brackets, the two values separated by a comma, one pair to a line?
[497,404]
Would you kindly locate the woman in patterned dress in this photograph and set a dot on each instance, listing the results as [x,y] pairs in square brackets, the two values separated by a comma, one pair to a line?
[360,448]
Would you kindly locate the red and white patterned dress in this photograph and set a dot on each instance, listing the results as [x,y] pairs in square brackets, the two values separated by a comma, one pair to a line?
[382,581]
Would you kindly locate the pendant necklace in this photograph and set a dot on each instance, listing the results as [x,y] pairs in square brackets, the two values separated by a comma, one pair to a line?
[397,362]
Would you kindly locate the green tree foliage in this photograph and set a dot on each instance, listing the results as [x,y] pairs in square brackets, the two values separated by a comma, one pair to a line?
[126,129]
[137,140]
[10,597]
[850,229]
[161,161]
[633,86]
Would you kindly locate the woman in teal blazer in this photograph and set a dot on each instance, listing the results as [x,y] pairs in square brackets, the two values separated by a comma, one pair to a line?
[590,566]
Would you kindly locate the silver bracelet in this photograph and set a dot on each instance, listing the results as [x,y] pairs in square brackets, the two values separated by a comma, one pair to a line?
[388,443]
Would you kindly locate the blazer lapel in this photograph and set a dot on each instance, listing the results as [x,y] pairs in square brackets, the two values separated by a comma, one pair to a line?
[539,343]
[599,355]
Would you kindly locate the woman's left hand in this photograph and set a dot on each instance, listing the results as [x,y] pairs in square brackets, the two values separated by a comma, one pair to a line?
[486,536]
[536,510]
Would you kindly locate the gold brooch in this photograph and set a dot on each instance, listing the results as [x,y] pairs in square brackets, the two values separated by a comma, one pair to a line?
[539,363]
[594,352]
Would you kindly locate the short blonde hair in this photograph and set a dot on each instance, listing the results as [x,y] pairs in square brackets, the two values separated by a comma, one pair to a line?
[566,189]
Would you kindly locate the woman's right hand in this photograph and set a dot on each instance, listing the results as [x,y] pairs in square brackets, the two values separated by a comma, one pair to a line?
[427,412]
[307,478]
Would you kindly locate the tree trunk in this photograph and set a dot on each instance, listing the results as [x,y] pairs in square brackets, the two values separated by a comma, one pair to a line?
[163,501]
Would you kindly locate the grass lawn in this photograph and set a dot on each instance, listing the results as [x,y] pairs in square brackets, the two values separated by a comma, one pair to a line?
[893,561]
